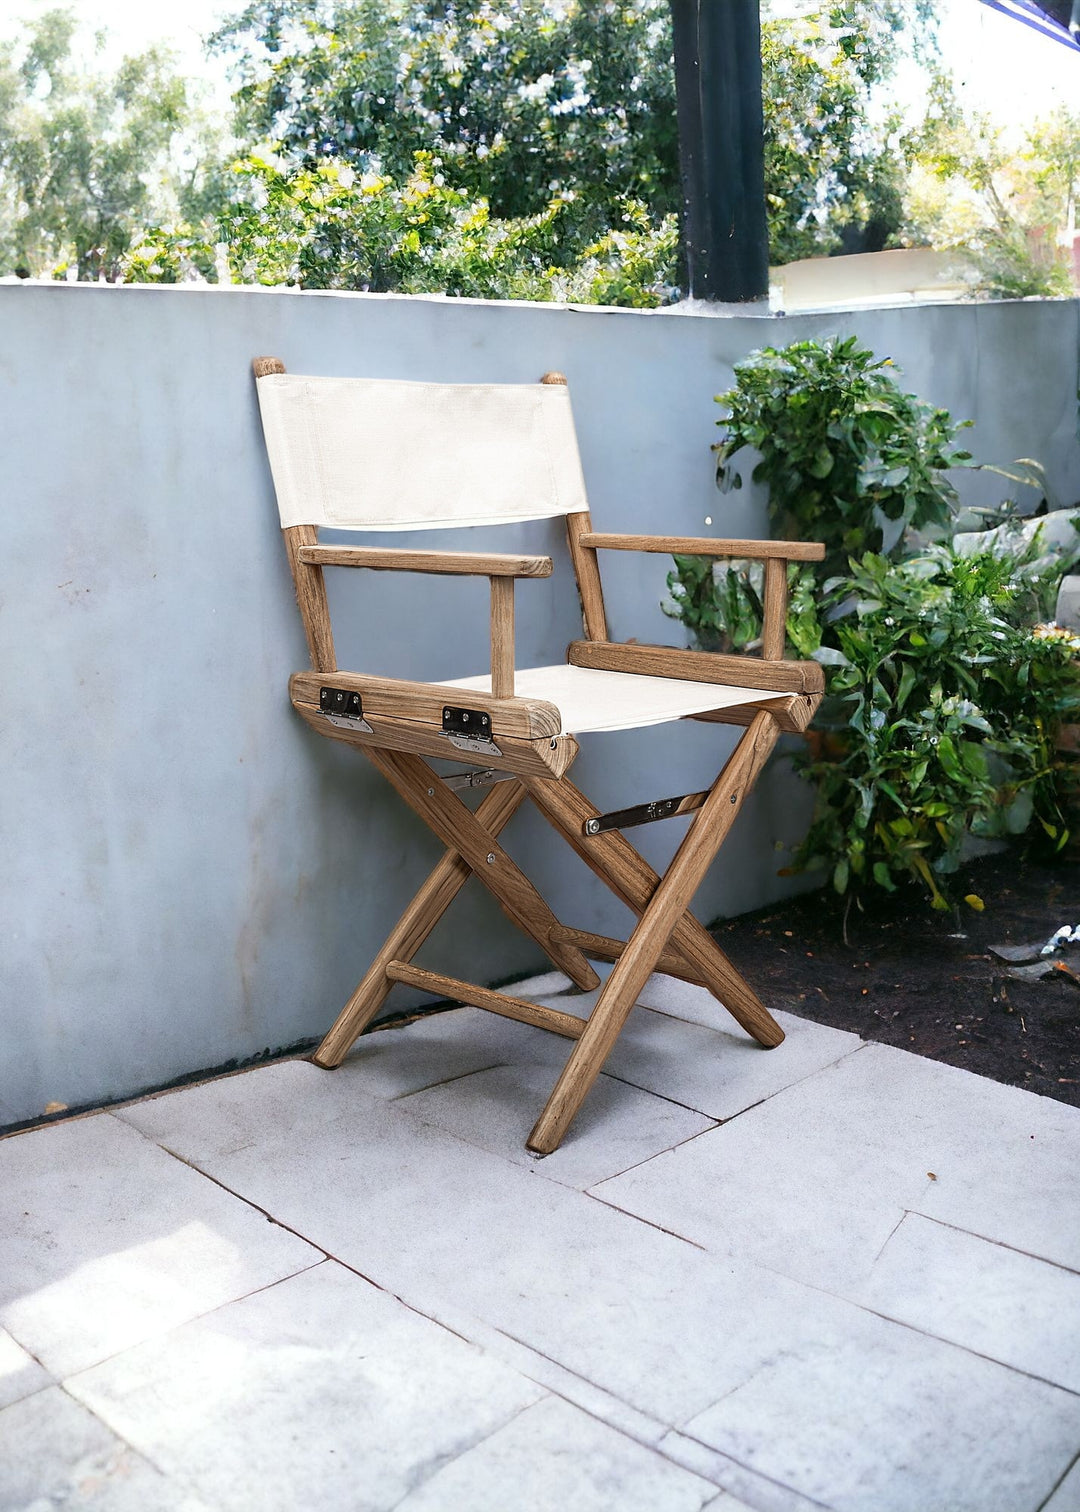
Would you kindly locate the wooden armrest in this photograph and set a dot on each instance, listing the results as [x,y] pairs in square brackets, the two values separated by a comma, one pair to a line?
[500,569]
[465,563]
[759,551]
[698,666]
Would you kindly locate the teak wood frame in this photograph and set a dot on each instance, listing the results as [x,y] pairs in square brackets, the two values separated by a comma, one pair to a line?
[402,725]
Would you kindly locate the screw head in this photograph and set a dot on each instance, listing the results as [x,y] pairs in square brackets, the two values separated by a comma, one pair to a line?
[491,857]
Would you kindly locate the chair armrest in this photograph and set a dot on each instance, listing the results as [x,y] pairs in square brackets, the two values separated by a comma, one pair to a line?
[775,676]
[464,563]
[761,551]
[499,569]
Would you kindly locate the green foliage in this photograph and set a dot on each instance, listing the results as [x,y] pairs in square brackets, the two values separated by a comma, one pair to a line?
[849,459]
[1004,207]
[326,227]
[87,157]
[944,697]
[833,182]
[950,703]
[546,130]
[520,102]
[523,101]
[718,601]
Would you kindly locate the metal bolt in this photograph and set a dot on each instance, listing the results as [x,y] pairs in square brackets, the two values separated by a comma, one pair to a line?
[734,796]
[431,792]
[592,826]
[491,857]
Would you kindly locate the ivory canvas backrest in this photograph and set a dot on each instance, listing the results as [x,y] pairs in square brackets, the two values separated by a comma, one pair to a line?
[388,454]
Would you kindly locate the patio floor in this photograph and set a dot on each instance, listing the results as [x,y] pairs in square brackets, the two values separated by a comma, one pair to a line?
[830,1275]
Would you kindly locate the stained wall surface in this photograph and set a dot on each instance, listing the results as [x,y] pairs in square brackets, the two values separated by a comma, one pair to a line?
[189,874]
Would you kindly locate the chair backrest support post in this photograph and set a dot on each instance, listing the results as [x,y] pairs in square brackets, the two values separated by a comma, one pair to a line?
[307,579]
[774,628]
[586,567]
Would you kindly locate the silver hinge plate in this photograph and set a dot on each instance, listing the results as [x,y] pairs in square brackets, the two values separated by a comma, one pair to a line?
[479,745]
[344,722]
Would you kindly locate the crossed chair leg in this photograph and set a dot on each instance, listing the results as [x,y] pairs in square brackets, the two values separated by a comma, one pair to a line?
[667,933]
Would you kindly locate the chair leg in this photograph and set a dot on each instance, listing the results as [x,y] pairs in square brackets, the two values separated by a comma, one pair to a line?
[458,827]
[615,861]
[665,909]
[413,928]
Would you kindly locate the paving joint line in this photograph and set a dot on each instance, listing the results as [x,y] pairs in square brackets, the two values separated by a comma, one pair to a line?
[445,1081]
[1062,1478]
[926,1333]
[140,1454]
[431,1317]
[758,1475]
[1013,1249]
[645,1159]
[720,1120]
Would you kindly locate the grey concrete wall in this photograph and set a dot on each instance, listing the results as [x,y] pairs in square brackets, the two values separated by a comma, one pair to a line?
[189,874]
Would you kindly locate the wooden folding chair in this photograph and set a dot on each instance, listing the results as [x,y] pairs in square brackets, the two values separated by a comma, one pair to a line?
[377,455]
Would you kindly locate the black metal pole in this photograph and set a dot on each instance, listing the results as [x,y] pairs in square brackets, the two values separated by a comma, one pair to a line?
[721,158]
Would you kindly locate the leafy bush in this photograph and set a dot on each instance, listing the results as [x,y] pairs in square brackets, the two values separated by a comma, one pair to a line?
[949,703]
[944,696]
[323,226]
[849,459]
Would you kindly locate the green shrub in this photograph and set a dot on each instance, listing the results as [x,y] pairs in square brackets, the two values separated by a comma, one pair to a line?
[324,226]
[944,696]
[848,458]
[946,703]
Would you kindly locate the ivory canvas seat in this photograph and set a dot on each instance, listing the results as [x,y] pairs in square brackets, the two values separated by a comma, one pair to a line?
[377,455]
[589,701]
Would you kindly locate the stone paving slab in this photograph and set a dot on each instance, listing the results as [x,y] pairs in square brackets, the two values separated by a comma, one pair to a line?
[716,1069]
[107,1240]
[320,1392]
[54,1453]
[1067,1496]
[437,1048]
[713,1067]
[619,1126]
[995,1301]
[20,1374]
[865,1415]
[755,1490]
[553,1456]
[745,1316]
[673,1331]
[721,1072]
[633,1310]
[815,1179]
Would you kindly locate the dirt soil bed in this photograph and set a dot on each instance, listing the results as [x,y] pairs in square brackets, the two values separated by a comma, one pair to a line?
[924,981]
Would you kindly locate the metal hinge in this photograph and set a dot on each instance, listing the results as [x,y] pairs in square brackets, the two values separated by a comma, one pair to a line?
[475,779]
[469,730]
[344,709]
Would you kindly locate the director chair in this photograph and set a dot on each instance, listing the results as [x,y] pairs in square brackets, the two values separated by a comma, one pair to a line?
[379,455]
